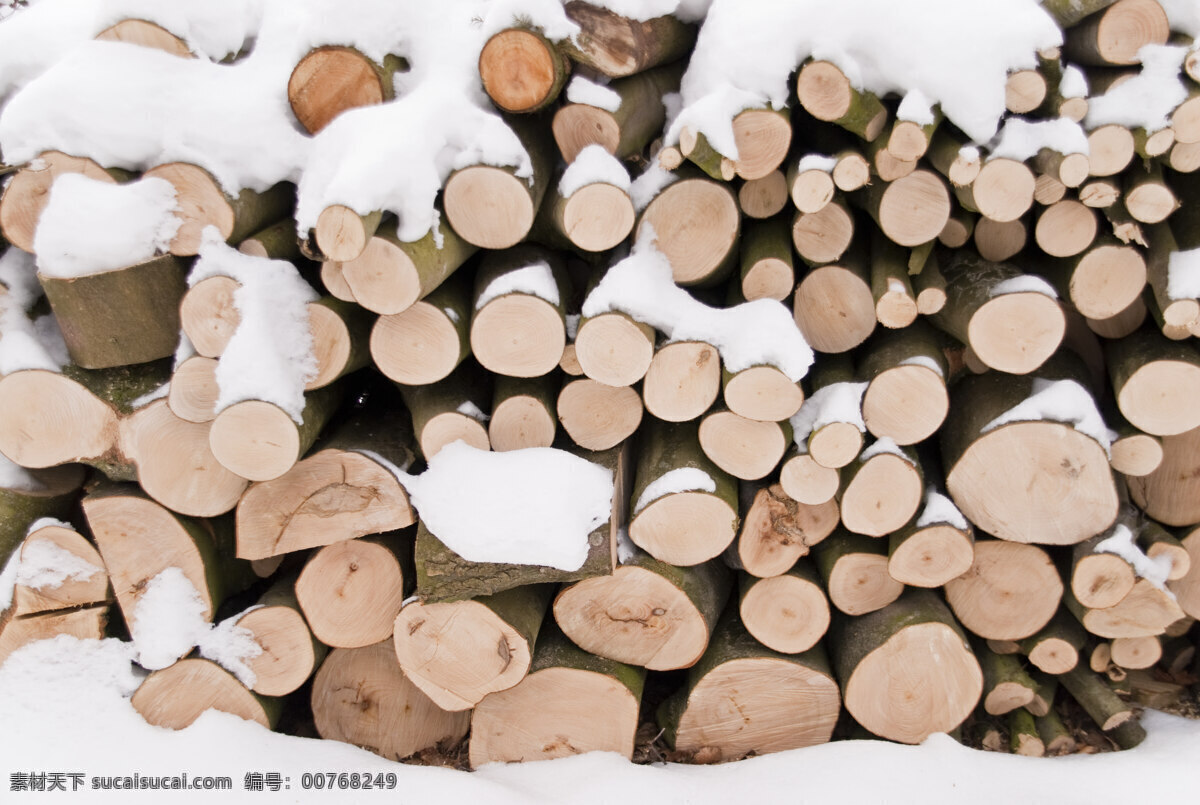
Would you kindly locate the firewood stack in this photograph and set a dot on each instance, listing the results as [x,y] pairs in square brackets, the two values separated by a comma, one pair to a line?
[980,501]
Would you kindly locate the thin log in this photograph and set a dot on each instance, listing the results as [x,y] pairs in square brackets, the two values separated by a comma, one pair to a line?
[854,568]
[523,413]
[788,613]
[260,441]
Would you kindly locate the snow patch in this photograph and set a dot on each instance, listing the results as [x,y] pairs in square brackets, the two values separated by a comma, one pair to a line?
[756,333]
[1059,401]
[535,279]
[885,444]
[650,183]
[837,402]
[926,361]
[1026,283]
[26,343]
[940,509]
[1073,83]
[8,578]
[1184,16]
[472,410]
[816,162]
[626,550]
[1183,275]
[1148,99]
[915,107]
[150,396]
[14,476]
[46,566]
[684,479]
[581,90]
[593,165]
[1021,139]
[232,646]
[1121,542]
[90,226]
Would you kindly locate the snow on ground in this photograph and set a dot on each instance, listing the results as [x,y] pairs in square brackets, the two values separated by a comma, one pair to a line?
[65,707]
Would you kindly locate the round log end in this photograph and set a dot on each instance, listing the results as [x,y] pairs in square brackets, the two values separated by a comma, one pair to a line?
[1010,592]
[351,592]
[255,439]
[763,138]
[744,448]
[597,416]
[288,659]
[201,203]
[28,193]
[786,613]
[932,556]
[416,347]
[769,278]
[835,445]
[519,70]
[823,236]
[914,209]
[383,279]
[521,421]
[834,309]
[489,207]
[614,349]
[763,393]
[696,221]
[683,381]
[685,528]
[1160,397]
[597,217]
[452,426]
[340,233]
[906,403]
[329,81]
[824,91]
[808,482]
[1017,332]
[882,496]
[577,125]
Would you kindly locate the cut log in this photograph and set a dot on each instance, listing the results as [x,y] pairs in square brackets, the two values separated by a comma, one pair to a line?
[895,303]
[854,568]
[777,530]
[1006,684]
[765,197]
[145,34]
[807,481]
[201,202]
[1146,611]
[403,720]
[1147,196]
[523,413]
[194,390]
[596,416]
[743,697]
[259,441]
[48,493]
[340,333]
[1056,647]
[614,348]
[1055,735]
[1170,494]
[744,448]
[1155,382]
[827,94]
[176,696]
[1071,170]
[1100,579]
[930,284]
[762,137]
[931,551]
[618,46]
[522,70]
[766,260]
[625,132]
[812,188]
[450,409]
[330,80]
[954,157]
[1048,190]
[1110,150]
[1184,157]
[427,341]
[1157,542]
[1010,592]
[908,140]
[687,519]
[276,242]
[1102,281]
[290,653]
[647,613]
[683,380]
[1115,34]
[341,234]
[912,210]
[1024,91]
[594,218]
[570,703]
[1136,653]
[1024,738]
[345,490]
[458,652]
[906,398]
[696,221]
[84,624]
[209,316]
[825,235]
[997,241]
[880,490]
[1133,452]
[788,613]
[829,426]
[1096,698]
[762,393]
[834,307]
[28,193]
[76,578]
[1003,190]
[351,591]
[906,670]
[1065,228]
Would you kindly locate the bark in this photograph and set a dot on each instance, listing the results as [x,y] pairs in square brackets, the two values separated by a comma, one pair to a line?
[626,132]
[617,46]
[777,531]
[57,489]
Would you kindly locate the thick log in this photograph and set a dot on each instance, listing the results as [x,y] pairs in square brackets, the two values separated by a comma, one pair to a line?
[745,448]
[697,223]
[1065,228]
[522,70]
[777,531]
[208,315]
[330,80]
[597,416]
[618,46]
[427,341]
[762,393]
[834,307]
[1115,34]
[1110,150]
[1002,192]
[28,193]
[911,210]
[788,613]
[854,568]
[614,348]
[1010,592]
[260,441]
[997,241]
[881,490]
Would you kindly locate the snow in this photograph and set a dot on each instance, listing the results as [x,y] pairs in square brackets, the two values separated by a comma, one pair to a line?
[581,90]
[1121,542]
[837,402]
[48,522]
[650,183]
[472,410]
[940,509]
[1026,283]
[45,566]
[591,166]
[761,332]
[65,703]
[684,479]
[1021,139]
[712,114]
[926,361]
[1059,401]
[451,314]
[150,396]
[816,162]
[626,550]
[572,326]
[26,343]
[535,279]
[230,646]
[90,226]
[916,108]
[14,476]
[545,15]
[885,444]
[8,579]
[749,50]
[1074,82]
[1148,99]
[270,356]
[534,506]
[1184,16]
[385,463]
[1183,275]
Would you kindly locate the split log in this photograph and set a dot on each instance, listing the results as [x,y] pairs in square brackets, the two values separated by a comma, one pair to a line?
[202,202]
[77,577]
[260,441]
[827,94]
[596,416]
[788,613]
[174,697]
[614,348]
[777,531]
[523,413]
[522,70]
[647,613]
[344,490]
[330,80]
[571,702]
[906,670]
[194,390]
[618,46]
[48,493]
[458,652]
[745,448]
[766,260]
[1056,647]
[880,490]
[290,653]
[1155,382]
[122,317]
[1010,592]
[1146,611]
[825,235]
[854,568]
[682,381]
[906,398]
[765,197]
[912,210]
[781,701]
[450,409]
[1115,34]
[696,221]
[834,307]
[84,624]
[626,131]
[691,525]
[355,681]
[28,193]
[145,34]
[351,591]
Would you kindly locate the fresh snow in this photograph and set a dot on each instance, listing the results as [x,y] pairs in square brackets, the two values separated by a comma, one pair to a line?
[885,444]
[231,646]
[45,565]
[650,183]
[535,506]
[926,361]
[750,334]
[684,479]
[270,356]
[1121,542]
[916,108]
[581,90]
[65,705]
[8,577]
[593,165]
[1021,139]
[1148,99]
[90,226]
[1026,283]
[535,279]
[1059,401]
[837,402]
[1184,16]
[26,343]
[472,410]
[940,509]
[626,550]
[816,162]
[1074,82]
[14,476]
[1183,275]
[150,396]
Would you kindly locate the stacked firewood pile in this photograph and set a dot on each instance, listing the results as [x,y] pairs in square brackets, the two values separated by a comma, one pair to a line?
[977,505]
